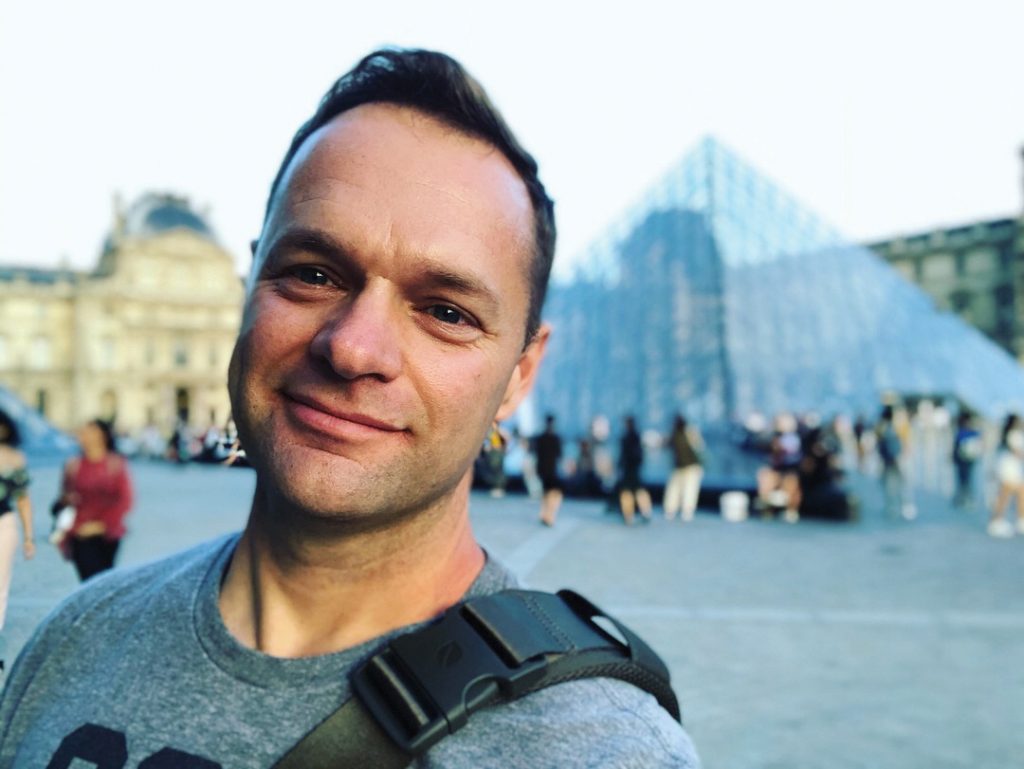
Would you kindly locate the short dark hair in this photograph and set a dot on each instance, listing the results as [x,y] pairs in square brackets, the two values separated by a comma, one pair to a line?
[107,429]
[8,425]
[436,84]
[1008,424]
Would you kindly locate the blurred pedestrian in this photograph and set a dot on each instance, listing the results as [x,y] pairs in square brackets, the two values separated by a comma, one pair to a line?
[1010,474]
[548,448]
[859,440]
[97,485]
[632,494]
[495,448]
[585,481]
[821,494]
[890,450]
[967,450]
[521,445]
[778,483]
[179,447]
[683,487]
[14,498]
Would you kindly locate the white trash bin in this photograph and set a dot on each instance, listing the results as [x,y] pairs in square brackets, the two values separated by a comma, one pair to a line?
[734,506]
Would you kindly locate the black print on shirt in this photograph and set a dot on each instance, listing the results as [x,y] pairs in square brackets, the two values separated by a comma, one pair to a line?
[108,749]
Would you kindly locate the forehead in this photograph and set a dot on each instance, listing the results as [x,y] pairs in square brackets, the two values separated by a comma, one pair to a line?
[401,168]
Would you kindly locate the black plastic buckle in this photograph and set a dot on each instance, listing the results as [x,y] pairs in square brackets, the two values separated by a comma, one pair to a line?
[424,685]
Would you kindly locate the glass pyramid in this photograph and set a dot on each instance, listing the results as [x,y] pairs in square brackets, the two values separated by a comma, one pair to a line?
[719,295]
[41,441]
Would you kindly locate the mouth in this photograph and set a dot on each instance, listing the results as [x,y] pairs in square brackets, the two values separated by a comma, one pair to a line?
[343,424]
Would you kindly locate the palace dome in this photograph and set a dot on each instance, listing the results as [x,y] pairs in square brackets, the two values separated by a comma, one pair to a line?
[154,213]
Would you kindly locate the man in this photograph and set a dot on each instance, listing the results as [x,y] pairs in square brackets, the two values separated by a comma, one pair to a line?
[392,316]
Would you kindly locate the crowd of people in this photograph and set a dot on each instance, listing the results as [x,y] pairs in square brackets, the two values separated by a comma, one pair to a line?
[216,444]
[595,469]
[803,465]
[803,470]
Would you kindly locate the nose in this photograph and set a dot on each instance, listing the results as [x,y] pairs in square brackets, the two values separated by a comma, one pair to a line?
[362,337]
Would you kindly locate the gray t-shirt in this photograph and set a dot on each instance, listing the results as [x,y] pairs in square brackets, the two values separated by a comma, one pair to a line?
[137,670]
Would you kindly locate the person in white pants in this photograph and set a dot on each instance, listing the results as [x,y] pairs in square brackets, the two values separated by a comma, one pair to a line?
[683,486]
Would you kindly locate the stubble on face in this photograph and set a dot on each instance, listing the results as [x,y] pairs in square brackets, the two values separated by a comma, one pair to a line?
[396,193]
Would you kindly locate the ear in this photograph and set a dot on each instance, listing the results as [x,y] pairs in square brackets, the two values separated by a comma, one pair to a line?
[524,374]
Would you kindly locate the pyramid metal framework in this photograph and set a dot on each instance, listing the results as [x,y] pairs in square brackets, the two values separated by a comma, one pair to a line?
[719,295]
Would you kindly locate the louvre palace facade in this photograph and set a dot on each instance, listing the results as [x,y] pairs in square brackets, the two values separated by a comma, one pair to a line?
[144,338]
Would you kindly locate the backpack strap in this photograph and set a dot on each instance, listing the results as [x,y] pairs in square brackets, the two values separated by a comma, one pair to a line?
[424,685]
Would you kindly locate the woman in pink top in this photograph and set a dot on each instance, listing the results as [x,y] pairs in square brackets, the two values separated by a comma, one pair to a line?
[98,486]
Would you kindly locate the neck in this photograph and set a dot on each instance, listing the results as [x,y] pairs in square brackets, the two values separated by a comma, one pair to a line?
[297,591]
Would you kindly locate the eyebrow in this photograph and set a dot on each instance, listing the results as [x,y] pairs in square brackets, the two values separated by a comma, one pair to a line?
[309,239]
[431,272]
[434,274]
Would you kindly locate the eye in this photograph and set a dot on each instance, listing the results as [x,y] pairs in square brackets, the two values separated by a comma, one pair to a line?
[311,275]
[446,314]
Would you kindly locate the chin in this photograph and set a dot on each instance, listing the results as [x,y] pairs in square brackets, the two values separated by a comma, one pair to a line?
[371,493]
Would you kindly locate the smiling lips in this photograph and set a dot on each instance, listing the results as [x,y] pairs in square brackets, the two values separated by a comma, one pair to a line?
[334,423]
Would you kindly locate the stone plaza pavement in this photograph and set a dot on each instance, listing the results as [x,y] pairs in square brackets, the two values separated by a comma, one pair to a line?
[884,643]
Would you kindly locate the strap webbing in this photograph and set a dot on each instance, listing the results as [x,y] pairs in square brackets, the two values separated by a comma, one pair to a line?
[348,739]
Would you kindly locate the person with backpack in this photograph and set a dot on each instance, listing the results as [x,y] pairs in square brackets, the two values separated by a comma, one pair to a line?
[392,316]
[967,450]
[683,487]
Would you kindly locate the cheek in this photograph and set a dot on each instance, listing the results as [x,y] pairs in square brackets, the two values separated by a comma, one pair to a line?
[465,386]
[260,347]
[269,329]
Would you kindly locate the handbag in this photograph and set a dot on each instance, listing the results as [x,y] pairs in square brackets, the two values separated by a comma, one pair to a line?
[62,524]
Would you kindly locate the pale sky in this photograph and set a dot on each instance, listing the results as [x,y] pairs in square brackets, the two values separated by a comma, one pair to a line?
[881,117]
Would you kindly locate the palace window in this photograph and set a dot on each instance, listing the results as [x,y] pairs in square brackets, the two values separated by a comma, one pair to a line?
[939,267]
[180,354]
[40,353]
[982,261]
[108,353]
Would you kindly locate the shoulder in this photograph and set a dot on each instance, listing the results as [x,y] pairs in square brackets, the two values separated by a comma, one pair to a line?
[596,722]
[100,616]
[13,459]
[17,459]
[115,599]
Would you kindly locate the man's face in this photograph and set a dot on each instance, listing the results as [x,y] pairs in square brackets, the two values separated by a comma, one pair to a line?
[384,329]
